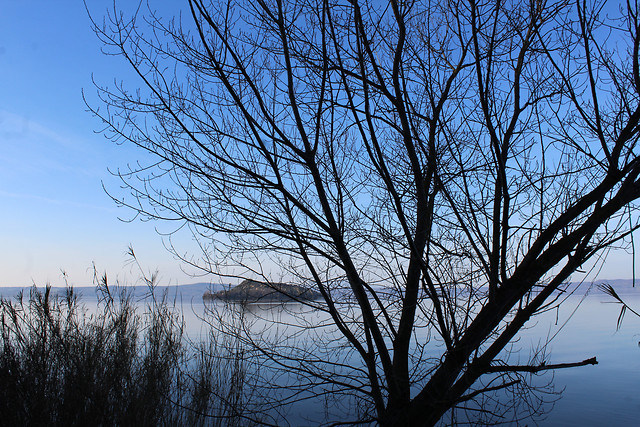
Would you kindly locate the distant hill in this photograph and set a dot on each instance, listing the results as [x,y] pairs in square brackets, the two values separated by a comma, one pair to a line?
[622,286]
[254,291]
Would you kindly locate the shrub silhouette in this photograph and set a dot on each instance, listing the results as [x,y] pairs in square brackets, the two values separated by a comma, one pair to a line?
[61,364]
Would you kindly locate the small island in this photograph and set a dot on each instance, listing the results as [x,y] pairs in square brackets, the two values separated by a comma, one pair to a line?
[250,291]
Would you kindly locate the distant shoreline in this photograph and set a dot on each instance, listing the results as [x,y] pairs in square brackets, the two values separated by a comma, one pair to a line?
[622,286]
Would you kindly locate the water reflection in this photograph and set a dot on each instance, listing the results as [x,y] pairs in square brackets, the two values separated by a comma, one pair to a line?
[593,395]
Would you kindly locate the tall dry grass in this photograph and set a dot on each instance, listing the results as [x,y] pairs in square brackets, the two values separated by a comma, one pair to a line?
[61,364]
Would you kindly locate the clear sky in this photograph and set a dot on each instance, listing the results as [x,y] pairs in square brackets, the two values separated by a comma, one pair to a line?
[54,214]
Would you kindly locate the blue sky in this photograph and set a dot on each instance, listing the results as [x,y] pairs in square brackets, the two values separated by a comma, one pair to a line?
[54,214]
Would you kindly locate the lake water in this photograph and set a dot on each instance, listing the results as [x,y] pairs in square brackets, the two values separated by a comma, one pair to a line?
[605,394]
[601,395]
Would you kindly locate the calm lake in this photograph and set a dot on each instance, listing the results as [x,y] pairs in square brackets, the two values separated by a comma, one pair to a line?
[583,327]
[605,394]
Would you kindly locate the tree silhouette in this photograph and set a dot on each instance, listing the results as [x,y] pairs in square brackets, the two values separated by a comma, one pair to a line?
[436,170]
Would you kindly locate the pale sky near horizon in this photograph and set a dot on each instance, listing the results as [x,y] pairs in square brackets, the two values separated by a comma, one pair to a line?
[54,213]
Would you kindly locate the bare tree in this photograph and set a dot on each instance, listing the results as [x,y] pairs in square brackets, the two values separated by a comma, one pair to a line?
[437,170]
